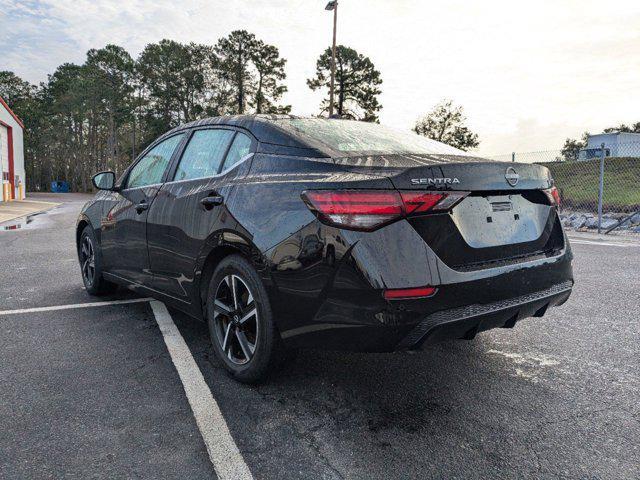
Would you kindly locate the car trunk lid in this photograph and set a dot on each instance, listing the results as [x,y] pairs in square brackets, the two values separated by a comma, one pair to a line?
[505,217]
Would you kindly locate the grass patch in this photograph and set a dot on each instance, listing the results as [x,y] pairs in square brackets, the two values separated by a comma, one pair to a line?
[578,183]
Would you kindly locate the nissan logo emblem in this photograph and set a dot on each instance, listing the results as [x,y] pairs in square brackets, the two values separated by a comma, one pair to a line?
[512,176]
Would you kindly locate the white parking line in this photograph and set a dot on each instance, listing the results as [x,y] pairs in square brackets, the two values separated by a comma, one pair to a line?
[223,451]
[606,244]
[72,306]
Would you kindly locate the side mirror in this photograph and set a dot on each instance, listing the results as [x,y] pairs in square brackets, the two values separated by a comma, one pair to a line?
[104,181]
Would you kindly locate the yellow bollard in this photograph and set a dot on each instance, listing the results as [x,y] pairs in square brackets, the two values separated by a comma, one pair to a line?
[20,191]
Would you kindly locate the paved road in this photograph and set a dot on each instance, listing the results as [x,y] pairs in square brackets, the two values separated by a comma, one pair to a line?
[93,392]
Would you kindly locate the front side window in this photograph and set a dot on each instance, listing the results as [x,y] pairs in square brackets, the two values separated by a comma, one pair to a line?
[240,149]
[150,169]
[204,154]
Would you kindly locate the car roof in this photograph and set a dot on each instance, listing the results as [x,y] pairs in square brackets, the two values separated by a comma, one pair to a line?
[261,126]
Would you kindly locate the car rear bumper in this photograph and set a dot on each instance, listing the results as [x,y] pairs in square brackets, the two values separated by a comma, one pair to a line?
[466,322]
[359,319]
[450,324]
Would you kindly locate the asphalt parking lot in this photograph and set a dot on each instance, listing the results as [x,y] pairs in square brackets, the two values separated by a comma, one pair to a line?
[95,392]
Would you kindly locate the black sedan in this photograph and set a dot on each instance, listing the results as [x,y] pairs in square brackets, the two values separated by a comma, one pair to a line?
[285,232]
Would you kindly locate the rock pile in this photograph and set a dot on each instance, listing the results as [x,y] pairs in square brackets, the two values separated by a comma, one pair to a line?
[583,221]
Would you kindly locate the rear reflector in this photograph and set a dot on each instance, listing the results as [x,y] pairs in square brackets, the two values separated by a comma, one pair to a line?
[370,209]
[406,293]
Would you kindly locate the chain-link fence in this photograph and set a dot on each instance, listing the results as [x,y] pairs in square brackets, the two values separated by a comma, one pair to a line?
[599,187]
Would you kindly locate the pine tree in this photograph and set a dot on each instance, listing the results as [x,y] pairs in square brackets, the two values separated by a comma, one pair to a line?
[270,72]
[254,72]
[234,54]
[445,123]
[357,84]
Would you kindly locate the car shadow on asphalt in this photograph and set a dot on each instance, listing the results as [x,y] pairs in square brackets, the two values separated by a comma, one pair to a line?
[368,415]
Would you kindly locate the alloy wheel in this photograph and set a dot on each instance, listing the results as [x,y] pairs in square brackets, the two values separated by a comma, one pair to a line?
[88,260]
[235,319]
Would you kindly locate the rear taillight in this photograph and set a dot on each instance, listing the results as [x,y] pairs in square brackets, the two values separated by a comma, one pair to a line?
[355,209]
[408,293]
[370,209]
[553,195]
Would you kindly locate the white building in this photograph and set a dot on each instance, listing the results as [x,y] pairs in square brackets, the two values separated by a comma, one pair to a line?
[12,170]
[616,144]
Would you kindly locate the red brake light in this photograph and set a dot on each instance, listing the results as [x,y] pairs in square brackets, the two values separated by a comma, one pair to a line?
[370,209]
[406,293]
[355,209]
[553,195]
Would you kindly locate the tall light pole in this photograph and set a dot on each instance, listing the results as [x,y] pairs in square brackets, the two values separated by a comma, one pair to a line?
[333,5]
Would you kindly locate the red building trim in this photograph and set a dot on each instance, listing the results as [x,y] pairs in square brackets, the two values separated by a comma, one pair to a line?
[12,175]
[15,117]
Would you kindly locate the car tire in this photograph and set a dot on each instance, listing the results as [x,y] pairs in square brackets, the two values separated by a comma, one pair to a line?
[90,257]
[248,345]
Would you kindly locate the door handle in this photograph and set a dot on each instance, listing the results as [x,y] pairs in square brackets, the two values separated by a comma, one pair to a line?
[142,206]
[211,201]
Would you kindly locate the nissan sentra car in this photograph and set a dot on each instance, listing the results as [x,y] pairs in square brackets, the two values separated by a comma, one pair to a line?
[284,232]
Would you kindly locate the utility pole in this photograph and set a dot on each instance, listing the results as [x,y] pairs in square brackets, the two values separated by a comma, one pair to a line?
[333,5]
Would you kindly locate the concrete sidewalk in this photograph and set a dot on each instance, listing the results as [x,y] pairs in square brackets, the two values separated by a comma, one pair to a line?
[22,208]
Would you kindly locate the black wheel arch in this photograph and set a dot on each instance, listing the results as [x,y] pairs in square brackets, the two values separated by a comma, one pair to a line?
[218,246]
[82,222]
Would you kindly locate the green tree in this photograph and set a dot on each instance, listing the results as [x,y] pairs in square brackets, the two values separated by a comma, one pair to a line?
[357,84]
[98,115]
[234,55]
[253,72]
[180,82]
[270,72]
[82,120]
[16,92]
[635,128]
[74,119]
[25,100]
[572,147]
[20,95]
[446,124]
[110,78]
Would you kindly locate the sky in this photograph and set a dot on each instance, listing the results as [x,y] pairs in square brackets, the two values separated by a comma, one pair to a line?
[528,74]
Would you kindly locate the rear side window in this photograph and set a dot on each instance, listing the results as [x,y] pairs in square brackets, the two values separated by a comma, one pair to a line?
[150,169]
[239,150]
[204,154]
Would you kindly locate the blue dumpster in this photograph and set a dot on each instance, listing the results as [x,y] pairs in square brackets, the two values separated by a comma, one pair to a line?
[60,187]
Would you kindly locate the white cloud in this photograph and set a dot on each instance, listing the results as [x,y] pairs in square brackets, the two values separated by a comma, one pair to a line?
[528,74]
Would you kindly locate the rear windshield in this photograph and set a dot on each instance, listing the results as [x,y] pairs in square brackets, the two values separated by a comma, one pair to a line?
[353,137]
